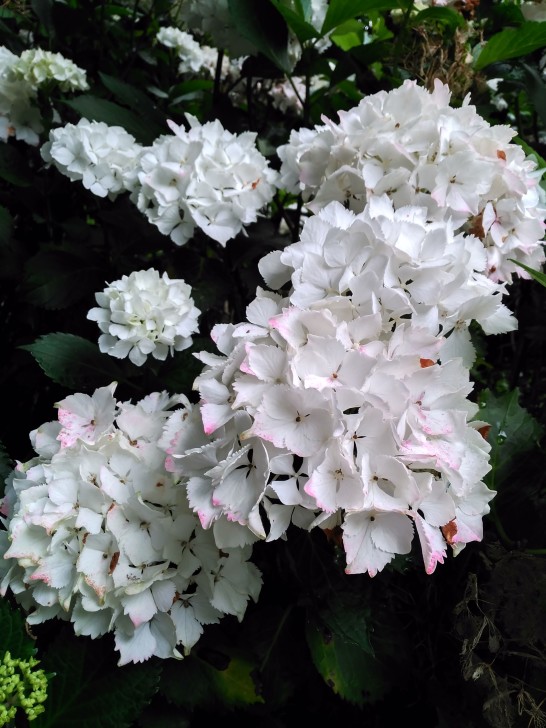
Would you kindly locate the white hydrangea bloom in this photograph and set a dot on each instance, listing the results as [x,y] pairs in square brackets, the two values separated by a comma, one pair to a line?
[104,158]
[329,407]
[101,535]
[19,117]
[411,145]
[206,177]
[36,67]
[195,58]
[145,313]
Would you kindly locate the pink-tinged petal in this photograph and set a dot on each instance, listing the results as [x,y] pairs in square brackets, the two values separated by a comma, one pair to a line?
[139,607]
[433,545]
[361,553]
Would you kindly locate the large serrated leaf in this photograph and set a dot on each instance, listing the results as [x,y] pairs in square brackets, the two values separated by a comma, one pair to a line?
[346,616]
[351,672]
[14,637]
[94,108]
[56,280]
[89,692]
[73,362]
[264,26]
[513,431]
[512,43]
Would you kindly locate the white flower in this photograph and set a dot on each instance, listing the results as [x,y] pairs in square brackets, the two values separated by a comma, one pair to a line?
[101,535]
[144,314]
[410,144]
[104,158]
[36,67]
[19,117]
[206,177]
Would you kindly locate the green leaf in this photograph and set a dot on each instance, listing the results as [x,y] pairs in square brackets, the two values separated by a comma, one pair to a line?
[74,362]
[42,8]
[264,26]
[512,43]
[56,280]
[513,432]
[195,682]
[348,35]
[6,224]
[340,11]
[346,616]
[536,274]
[89,692]
[444,16]
[97,109]
[14,166]
[14,637]
[135,99]
[351,672]
[301,28]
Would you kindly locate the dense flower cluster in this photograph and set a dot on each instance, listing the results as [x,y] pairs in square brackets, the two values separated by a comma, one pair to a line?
[345,402]
[37,67]
[20,78]
[23,688]
[144,314]
[104,158]
[99,533]
[410,144]
[206,177]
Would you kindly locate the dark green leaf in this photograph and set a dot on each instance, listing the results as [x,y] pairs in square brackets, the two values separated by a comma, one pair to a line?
[6,465]
[73,361]
[351,672]
[6,224]
[341,10]
[14,166]
[444,16]
[264,26]
[135,99]
[536,90]
[42,8]
[513,432]
[88,692]
[97,109]
[346,616]
[14,637]
[301,28]
[56,280]
[512,43]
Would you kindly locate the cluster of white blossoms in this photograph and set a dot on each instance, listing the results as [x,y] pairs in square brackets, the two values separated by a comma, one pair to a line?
[145,313]
[411,145]
[20,78]
[37,67]
[196,58]
[103,158]
[100,534]
[207,178]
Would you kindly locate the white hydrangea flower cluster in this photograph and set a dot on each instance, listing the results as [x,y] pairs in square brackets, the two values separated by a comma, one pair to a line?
[195,58]
[36,67]
[411,145]
[336,406]
[206,177]
[19,116]
[100,534]
[103,158]
[287,96]
[145,313]
[20,78]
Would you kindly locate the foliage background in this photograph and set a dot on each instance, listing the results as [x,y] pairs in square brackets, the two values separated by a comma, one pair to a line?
[465,646]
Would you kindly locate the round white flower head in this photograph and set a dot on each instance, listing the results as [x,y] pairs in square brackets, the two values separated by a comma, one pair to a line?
[332,407]
[36,67]
[196,58]
[206,177]
[19,117]
[100,534]
[104,158]
[145,313]
[412,145]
